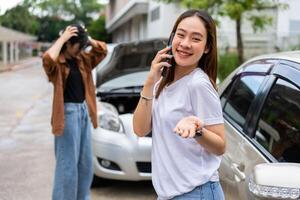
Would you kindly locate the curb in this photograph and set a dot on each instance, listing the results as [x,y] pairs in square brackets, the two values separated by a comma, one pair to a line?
[21,65]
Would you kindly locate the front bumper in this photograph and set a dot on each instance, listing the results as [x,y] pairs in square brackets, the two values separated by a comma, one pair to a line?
[129,155]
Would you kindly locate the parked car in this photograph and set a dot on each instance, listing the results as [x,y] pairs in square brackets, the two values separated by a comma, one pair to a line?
[118,153]
[261,106]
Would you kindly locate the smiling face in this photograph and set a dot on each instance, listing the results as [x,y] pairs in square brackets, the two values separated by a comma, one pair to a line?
[189,42]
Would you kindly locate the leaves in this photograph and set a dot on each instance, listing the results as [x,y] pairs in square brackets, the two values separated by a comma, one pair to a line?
[19,18]
[45,18]
[235,10]
[97,29]
[259,22]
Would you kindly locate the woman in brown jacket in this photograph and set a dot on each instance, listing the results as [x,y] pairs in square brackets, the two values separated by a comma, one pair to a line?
[69,68]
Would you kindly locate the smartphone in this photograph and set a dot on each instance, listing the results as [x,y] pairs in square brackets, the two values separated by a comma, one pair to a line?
[164,71]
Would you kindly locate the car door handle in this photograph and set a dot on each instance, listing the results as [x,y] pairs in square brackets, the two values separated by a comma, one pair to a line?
[237,171]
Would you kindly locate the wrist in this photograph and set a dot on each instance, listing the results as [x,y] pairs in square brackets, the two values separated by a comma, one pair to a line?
[149,83]
[92,41]
[62,40]
[199,132]
[147,98]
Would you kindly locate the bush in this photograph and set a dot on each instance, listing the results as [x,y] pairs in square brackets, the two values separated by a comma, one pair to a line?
[34,52]
[226,64]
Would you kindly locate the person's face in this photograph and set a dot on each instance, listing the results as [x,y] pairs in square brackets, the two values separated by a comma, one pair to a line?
[73,49]
[189,42]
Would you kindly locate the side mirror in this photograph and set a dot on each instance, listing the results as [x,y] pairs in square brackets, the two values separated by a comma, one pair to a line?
[275,181]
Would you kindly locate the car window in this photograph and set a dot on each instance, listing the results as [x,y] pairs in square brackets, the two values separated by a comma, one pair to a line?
[238,97]
[259,67]
[279,124]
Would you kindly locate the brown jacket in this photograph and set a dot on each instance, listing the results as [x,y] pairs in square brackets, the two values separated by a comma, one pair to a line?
[57,72]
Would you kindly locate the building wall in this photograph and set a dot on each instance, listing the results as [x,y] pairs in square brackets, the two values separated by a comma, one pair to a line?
[288,25]
[161,17]
[162,25]
[133,30]
[114,7]
[254,42]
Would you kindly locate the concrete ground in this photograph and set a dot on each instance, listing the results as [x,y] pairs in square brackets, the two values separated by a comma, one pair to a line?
[26,143]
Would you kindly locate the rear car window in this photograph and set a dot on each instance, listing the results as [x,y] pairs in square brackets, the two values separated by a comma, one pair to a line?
[278,128]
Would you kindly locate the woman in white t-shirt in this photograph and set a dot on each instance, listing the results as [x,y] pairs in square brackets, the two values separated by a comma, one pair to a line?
[181,105]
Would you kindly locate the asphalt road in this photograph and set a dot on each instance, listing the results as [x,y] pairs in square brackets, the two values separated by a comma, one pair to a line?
[26,143]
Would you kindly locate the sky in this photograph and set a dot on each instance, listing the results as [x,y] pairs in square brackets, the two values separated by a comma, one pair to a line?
[6,4]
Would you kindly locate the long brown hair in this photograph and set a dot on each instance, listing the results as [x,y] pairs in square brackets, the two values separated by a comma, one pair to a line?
[208,61]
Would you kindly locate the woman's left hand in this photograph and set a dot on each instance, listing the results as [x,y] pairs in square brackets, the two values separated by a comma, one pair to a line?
[187,126]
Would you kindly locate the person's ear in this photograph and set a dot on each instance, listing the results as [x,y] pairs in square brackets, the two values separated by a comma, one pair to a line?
[207,49]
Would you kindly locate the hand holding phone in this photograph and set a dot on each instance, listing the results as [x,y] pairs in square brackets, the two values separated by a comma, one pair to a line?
[164,71]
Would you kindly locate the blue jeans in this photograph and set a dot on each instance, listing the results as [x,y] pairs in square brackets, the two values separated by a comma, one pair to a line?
[73,152]
[207,191]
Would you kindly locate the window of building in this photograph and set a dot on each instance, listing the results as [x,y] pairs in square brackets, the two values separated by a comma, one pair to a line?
[294,27]
[155,14]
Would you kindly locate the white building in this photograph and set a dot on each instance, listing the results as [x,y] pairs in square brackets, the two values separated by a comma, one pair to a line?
[288,25]
[130,20]
[14,45]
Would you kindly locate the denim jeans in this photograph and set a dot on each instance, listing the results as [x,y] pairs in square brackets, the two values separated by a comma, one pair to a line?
[73,152]
[207,191]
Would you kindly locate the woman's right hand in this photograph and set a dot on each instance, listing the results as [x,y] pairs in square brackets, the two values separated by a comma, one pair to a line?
[69,32]
[157,65]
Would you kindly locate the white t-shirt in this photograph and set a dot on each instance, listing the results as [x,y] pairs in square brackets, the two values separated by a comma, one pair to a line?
[181,164]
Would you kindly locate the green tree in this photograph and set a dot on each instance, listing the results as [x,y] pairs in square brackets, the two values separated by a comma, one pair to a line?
[19,18]
[236,10]
[50,28]
[79,10]
[97,30]
[56,14]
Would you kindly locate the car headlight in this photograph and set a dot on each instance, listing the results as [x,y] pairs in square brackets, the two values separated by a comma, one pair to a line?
[109,117]
[107,107]
[110,121]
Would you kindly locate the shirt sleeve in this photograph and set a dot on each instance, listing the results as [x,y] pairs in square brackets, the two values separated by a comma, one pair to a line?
[205,102]
[49,66]
[96,55]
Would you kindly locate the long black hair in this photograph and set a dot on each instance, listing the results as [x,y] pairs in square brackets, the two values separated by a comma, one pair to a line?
[208,61]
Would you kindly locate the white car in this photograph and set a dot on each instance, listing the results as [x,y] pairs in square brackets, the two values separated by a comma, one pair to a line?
[261,109]
[118,153]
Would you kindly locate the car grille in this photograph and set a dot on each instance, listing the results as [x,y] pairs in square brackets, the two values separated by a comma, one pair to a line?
[144,167]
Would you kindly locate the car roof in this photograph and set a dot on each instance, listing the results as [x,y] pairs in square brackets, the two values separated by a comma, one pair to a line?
[293,56]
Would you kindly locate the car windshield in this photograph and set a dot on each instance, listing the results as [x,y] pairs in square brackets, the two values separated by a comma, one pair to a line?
[126,81]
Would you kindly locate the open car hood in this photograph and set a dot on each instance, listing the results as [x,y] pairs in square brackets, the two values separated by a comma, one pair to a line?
[128,57]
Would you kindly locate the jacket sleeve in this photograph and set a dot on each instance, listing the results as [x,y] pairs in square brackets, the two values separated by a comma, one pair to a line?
[96,55]
[49,66]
